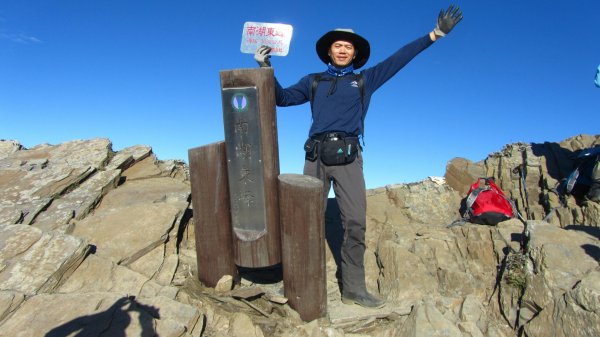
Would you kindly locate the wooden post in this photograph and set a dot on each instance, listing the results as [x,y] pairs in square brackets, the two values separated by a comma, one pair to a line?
[303,244]
[248,97]
[212,219]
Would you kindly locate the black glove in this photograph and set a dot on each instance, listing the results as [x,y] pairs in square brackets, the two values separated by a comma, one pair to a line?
[446,21]
[262,56]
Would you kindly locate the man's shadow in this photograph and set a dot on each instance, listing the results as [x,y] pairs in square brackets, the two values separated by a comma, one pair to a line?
[334,234]
[111,322]
[591,250]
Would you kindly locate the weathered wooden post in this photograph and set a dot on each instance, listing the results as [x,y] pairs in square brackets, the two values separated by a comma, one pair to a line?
[210,199]
[303,244]
[240,199]
[248,97]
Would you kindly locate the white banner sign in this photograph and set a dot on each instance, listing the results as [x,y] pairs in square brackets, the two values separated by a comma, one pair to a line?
[275,35]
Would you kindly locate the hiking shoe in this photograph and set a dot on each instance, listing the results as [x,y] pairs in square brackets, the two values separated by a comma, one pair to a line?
[363,299]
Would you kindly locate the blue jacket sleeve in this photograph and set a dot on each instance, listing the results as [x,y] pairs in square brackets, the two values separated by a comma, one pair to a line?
[597,81]
[293,95]
[377,75]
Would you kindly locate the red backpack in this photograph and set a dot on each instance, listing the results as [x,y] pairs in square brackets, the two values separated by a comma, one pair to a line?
[488,205]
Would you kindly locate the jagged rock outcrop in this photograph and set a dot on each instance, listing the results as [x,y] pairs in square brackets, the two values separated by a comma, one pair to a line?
[88,238]
[102,242]
[563,252]
[530,174]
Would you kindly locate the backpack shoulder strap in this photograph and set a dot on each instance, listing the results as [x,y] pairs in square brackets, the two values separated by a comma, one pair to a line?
[361,87]
[317,77]
[313,88]
[474,194]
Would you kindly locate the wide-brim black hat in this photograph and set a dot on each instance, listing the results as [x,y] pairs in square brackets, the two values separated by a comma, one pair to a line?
[360,44]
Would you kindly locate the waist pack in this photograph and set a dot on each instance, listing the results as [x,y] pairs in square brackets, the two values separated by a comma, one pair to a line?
[333,148]
[488,205]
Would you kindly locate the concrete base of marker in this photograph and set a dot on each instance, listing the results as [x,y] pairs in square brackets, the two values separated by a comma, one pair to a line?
[302,221]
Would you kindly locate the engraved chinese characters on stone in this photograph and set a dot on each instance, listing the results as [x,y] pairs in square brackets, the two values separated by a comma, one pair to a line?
[245,170]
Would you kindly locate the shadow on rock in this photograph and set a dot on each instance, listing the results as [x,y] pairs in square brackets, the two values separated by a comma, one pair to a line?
[593,231]
[591,250]
[111,322]
[558,159]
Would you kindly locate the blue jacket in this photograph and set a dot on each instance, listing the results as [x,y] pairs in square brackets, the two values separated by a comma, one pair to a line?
[597,81]
[337,103]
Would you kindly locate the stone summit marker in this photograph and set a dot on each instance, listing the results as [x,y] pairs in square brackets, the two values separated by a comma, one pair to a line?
[236,191]
[252,153]
[244,153]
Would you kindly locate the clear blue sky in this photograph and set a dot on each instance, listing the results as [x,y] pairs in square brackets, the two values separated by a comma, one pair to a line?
[147,72]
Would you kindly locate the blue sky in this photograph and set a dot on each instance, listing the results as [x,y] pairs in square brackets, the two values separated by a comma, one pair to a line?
[147,72]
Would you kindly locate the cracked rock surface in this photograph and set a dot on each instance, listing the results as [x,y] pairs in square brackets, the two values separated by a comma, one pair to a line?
[102,243]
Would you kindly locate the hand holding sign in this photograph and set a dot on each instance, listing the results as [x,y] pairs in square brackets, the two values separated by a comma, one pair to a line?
[274,35]
[262,56]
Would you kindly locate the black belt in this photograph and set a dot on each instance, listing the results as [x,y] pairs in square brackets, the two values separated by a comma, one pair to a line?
[333,135]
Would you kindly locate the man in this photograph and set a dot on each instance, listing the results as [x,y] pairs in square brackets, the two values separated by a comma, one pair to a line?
[339,102]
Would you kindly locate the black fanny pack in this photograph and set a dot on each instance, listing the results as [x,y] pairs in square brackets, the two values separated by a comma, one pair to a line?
[334,148]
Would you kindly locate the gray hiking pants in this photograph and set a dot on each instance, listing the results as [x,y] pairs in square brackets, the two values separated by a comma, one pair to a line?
[349,187]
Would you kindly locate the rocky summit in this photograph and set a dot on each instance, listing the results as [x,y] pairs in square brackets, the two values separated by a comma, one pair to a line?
[95,242]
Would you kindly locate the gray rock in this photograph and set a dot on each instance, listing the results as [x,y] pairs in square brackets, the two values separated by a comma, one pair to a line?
[97,274]
[8,147]
[427,320]
[470,329]
[9,302]
[101,314]
[149,206]
[125,158]
[79,202]
[461,173]
[529,174]
[32,261]
[30,179]
[471,309]
[242,326]
[140,278]
[562,272]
